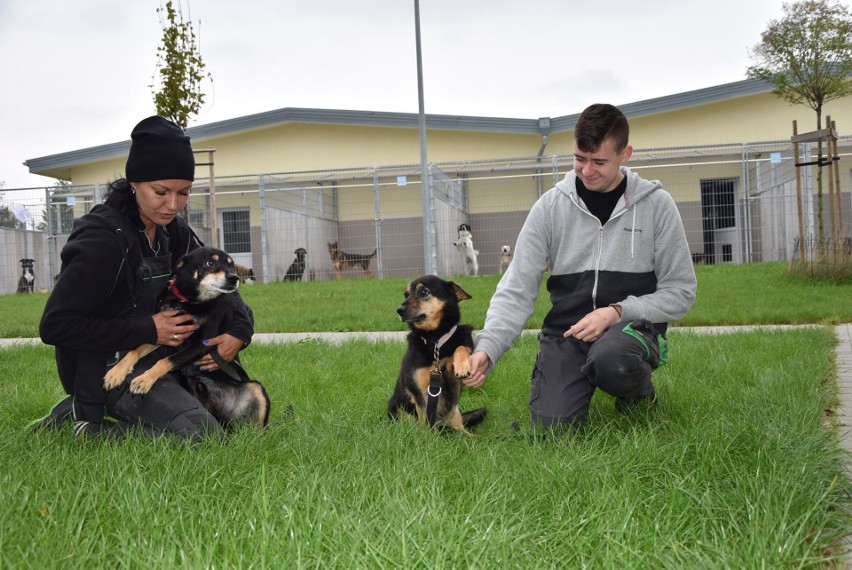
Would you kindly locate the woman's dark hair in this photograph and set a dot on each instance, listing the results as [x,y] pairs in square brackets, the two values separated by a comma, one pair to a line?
[121,197]
[598,123]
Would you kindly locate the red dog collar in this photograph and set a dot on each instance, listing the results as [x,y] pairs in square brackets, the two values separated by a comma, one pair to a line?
[173,288]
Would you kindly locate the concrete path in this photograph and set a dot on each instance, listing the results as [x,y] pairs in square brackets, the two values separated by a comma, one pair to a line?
[338,337]
[844,384]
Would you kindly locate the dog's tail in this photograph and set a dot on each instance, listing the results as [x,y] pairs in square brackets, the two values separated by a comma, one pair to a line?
[473,417]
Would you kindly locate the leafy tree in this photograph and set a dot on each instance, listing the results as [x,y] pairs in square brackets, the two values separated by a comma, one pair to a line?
[7,218]
[807,57]
[180,67]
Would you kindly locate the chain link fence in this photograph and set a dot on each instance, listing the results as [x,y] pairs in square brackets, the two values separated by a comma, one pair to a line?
[738,204]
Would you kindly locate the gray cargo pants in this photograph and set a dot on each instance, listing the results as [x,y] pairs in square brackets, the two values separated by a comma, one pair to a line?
[567,371]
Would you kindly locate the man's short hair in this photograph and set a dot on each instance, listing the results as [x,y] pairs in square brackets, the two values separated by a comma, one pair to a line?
[599,122]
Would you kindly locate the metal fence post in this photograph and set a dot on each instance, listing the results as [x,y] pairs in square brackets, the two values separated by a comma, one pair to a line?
[430,257]
[261,204]
[747,199]
[52,254]
[378,221]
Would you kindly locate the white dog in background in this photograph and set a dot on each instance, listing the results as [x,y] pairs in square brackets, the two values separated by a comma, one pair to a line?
[505,257]
[465,245]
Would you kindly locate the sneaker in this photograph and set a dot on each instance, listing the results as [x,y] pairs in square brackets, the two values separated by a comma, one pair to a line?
[629,405]
[61,413]
[106,430]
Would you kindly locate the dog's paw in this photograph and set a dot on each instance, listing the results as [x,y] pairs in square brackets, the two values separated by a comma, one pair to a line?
[461,367]
[115,376]
[461,361]
[142,384]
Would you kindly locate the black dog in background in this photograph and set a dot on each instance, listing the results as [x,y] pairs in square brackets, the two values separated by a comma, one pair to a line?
[203,286]
[26,282]
[438,356]
[297,268]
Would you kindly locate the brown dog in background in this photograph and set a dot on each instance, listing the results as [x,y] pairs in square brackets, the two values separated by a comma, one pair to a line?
[437,358]
[342,261]
[246,274]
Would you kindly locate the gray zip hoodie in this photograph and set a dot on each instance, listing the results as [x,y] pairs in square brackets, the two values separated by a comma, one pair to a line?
[639,259]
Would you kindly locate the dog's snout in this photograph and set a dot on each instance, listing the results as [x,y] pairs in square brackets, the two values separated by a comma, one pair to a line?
[232,278]
[400,310]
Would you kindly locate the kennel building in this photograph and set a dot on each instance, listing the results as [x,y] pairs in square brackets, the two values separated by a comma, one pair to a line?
[737,199]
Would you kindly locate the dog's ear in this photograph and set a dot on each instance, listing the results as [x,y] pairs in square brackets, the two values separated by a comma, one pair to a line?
[461,294]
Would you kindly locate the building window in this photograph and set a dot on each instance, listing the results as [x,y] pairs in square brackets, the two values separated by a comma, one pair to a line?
[236,231]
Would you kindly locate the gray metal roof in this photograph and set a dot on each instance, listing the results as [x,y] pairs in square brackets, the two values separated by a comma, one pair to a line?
[406,120]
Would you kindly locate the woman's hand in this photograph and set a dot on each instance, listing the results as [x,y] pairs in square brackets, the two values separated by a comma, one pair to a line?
[173,327]
[228,347]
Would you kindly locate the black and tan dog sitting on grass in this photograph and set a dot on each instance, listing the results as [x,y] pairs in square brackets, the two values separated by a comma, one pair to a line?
[438,356]
[203,286]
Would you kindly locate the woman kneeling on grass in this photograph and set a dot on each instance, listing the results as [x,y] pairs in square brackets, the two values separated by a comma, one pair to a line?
[117,261]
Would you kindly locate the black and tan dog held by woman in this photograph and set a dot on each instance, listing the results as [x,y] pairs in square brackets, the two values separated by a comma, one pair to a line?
[438,356]
[202,286]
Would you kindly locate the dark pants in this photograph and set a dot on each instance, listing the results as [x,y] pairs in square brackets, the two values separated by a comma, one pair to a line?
[567,372]
[167,409]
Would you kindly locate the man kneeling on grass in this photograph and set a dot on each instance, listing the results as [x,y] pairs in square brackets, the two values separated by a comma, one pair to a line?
[620,271]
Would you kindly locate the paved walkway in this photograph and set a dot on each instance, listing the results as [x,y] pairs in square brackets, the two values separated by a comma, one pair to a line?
[844,384]
[844,410]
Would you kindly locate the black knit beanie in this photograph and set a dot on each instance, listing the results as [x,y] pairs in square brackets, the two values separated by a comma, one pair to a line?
[159,151]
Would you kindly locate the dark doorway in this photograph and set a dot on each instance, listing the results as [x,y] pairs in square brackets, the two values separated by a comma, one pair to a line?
[718,211]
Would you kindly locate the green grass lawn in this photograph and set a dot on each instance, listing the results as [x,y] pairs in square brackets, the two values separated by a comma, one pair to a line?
[738,466]
[733,469]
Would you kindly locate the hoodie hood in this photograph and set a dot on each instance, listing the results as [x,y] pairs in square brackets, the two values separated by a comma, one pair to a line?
[637,188]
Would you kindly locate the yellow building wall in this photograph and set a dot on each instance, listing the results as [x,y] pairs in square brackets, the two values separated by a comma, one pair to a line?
[300,147]
[762,117]
[295,147]
[515,194]
[755,118]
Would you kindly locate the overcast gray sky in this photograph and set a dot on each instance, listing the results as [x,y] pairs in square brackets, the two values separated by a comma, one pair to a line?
[76,74]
